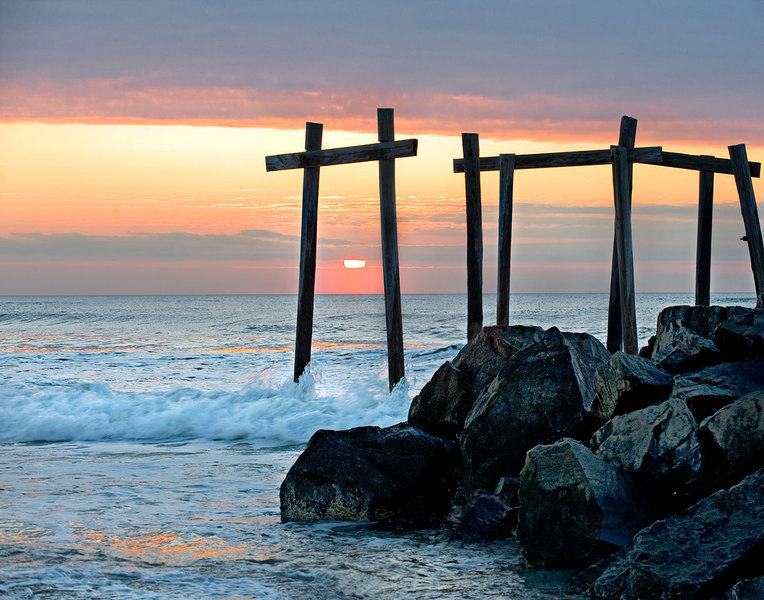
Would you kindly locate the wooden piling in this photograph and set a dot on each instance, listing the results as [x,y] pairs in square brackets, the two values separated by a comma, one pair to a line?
[742,172]
[624,249]
[626,138]
[471,148]
[386,130]
[703,251]
[307,284]
[506,181]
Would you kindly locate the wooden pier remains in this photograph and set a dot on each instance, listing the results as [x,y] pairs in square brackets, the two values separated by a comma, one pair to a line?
[622,328]
[385,152]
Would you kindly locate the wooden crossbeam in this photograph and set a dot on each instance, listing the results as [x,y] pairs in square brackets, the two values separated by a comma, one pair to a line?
[341,156]
[701,163]
[576,158]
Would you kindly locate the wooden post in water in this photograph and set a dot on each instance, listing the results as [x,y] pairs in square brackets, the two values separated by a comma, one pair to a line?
[626,138]
[506,181]
[742,172]
[624,246]
[386,130]
[471,150]
[306,290]
[703,252]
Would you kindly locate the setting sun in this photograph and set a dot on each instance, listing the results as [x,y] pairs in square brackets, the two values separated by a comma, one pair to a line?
[354,263]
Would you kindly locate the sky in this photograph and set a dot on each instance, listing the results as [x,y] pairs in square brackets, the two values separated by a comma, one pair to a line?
[133,136]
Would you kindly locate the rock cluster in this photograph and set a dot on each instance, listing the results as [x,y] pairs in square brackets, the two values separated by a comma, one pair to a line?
[648,470]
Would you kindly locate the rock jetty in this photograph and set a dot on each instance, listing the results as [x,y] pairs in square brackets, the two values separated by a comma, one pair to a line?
[645,472]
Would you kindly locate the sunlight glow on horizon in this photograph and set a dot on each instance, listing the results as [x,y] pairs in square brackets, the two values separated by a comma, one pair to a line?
[207,187]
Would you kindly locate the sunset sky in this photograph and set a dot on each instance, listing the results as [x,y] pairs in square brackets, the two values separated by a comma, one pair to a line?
[133,137]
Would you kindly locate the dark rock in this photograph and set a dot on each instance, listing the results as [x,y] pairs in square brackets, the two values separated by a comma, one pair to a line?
[543,393]
[396,475]
[657,445]
[710,389]
[442,405]
[444,402]
[703,320]
[742,336]
[735,434]
[486,517]
[684,350]
[575,507]
[484,356]
[647,351]
[748,589]
[697,553]
[627,383]
[507,489]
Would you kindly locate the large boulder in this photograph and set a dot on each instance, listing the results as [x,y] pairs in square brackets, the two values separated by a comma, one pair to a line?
[684,334]
[627,383]
[543,393]
[697,553]
[742,336]
[483,356]
[703,320]
[396,475]
[709,389]
[442,405]
[684,350]
[444,402]
[575,507]
[657,445]
[735,434]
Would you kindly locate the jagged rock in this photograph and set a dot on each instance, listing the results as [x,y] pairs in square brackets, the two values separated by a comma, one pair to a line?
[627,383]
[575,507]
[703,320]
[735,434]
[658,444]
[444,402]
[442,405]
[543,393]
[696,553]
[742,336]
[397,475]
[507,489]
[684,350]
[748,589]
[709,389]
[647,351]
[484,356]
[486,517]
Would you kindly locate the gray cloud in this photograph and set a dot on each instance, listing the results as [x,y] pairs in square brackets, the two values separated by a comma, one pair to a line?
[538,61]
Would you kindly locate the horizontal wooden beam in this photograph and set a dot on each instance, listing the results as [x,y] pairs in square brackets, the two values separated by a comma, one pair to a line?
[576,158]
[341,156]
[702,163]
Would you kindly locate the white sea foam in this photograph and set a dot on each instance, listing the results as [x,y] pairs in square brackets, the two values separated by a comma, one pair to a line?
[263,414]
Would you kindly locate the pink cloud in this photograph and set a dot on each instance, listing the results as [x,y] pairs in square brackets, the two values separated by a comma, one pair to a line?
[531,116]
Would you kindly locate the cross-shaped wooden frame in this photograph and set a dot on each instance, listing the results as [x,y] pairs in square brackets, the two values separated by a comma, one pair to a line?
[385,152]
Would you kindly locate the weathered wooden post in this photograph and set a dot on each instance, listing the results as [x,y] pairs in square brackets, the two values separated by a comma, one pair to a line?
[386,151]
[703,252]
[624,246]
[389,226]
[307,284]
[626,138]
[742,172]
[506,182]
[470,146]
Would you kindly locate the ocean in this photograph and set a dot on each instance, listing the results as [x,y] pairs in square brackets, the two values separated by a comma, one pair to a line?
[144,439]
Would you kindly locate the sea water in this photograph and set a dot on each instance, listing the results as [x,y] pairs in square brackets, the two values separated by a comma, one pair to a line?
[144,438]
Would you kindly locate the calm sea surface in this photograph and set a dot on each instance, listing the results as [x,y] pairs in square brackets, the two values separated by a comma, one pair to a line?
[144,438]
